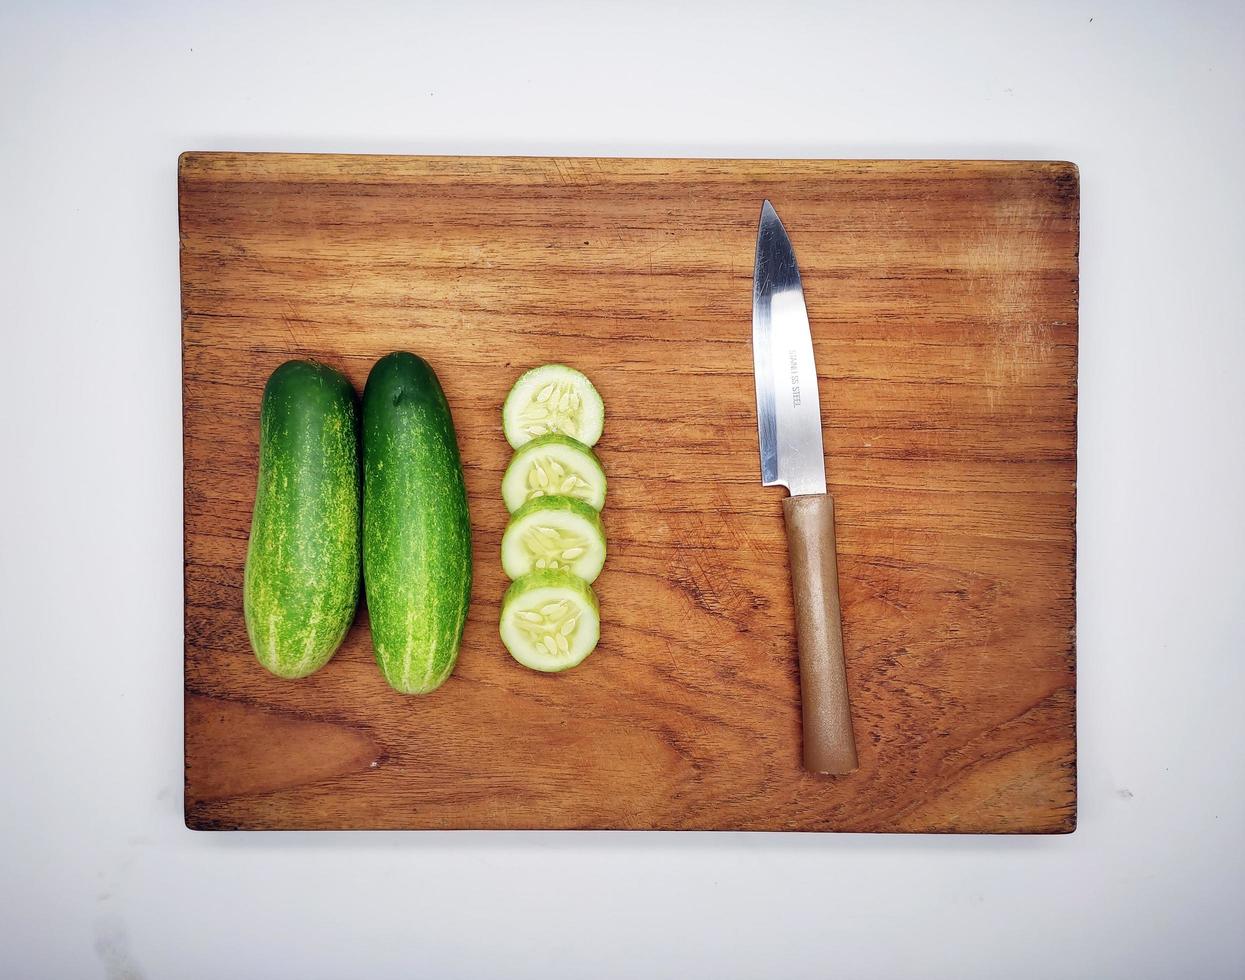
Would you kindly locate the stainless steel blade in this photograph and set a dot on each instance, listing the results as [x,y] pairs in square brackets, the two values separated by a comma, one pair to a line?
[788,407]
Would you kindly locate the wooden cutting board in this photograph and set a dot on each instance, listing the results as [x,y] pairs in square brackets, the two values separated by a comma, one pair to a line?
[943,302]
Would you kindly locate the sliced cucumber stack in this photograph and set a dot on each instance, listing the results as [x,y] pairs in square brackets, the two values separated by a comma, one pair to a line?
[553,398]
[554,465]
[556,534]
[550,620]
[554,545]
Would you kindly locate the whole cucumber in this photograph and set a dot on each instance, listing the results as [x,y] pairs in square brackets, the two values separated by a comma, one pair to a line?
[301,583]
[416,530]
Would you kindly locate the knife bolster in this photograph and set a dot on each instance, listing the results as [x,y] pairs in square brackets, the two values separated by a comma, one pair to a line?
[829,745]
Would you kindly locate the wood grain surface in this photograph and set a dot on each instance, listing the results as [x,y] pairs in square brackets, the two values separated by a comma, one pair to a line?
[943,301]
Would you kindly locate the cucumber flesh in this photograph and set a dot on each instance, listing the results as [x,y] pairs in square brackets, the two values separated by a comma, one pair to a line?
[556,534]
[553,398]
[550,621]
[553,465]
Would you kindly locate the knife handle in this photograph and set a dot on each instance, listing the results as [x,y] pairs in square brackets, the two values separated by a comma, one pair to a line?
[829,746]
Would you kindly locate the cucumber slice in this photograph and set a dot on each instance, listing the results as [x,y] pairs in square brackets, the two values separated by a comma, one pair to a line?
[554,533]
[554,465]
[553,398]
[550,621]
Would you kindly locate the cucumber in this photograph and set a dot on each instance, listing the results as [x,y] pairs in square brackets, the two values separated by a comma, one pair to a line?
[550,621]
[553,464]
[553,398]
[301,582]
[416,530]
[556,533]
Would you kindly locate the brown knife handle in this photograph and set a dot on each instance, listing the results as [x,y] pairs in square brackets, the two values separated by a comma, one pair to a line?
[829,746]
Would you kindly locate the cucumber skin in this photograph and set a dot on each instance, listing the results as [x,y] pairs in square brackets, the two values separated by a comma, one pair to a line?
[416,527]
[301,582]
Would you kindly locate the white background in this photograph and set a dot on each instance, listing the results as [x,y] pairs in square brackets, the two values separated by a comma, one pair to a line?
[98,876]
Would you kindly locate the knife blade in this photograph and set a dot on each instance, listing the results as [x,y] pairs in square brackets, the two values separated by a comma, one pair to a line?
[792,456]
[788,404]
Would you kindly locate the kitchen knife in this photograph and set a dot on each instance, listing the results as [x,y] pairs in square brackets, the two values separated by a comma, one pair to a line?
[789,425]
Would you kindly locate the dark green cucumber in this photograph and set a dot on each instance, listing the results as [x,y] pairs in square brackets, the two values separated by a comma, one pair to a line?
[301,583]
[416,532]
